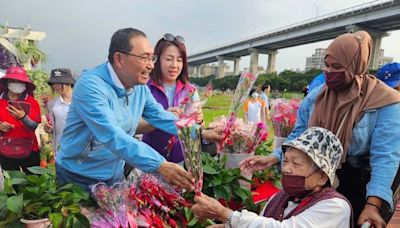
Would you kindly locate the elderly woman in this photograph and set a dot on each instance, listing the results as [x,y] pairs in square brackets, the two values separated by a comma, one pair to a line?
[307,198]
[19,117]
[364,113]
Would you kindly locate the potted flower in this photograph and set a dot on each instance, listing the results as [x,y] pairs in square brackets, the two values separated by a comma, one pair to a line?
[36,196]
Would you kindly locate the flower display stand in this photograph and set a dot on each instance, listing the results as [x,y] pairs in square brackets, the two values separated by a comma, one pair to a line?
[232,162]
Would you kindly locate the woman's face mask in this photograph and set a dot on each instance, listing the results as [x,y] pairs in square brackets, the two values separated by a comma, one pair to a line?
[337,81]
[295,185]
[255,95]
[16,87]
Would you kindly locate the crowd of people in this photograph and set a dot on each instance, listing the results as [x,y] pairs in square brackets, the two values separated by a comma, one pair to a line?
[340,164]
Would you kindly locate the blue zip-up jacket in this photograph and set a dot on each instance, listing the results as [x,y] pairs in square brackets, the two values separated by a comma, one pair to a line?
[101,122]
[377,134]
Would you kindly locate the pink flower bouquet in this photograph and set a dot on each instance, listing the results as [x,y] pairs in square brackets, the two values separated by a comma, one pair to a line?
[243,88]
[284,116]
[243,137]
[189,137]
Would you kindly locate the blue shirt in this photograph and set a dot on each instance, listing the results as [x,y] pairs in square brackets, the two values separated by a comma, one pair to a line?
[101,122]
[377,134]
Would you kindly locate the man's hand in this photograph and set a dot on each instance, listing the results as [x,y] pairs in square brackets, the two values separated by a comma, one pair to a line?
[18,113]
[212,135]
[257,163]
[371,212]
[209,208]
[176,175]
[5,127]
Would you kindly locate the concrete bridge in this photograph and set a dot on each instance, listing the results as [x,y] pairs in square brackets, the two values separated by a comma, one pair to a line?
[377,17]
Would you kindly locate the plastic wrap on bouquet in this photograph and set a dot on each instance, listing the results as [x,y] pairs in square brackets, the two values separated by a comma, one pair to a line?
[114,207]
[189,138]
[278,141]
[242,90]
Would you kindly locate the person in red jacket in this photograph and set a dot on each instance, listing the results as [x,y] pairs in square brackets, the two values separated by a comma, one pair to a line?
[19,117]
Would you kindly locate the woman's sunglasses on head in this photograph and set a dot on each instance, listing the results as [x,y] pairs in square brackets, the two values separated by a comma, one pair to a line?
[171,38]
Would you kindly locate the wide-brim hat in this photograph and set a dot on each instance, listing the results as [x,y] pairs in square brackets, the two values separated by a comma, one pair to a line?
[61,76]
[390,74]
[19,74]
[322,146]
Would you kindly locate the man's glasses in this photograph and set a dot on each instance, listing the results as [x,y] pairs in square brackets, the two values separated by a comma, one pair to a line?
[144,59]
[171,38]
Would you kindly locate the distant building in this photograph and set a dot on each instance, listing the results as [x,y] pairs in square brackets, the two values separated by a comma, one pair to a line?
[383,60]
[207,70]
[316,61]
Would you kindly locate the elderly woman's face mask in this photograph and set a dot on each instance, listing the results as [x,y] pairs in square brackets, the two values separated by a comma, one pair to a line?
[335,75]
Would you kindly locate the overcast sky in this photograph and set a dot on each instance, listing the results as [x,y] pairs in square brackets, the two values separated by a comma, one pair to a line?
[79,31]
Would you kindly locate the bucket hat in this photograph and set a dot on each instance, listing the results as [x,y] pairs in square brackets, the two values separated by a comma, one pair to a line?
[61,76]
[322,146]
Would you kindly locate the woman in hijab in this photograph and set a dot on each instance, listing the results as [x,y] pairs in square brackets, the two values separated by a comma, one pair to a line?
[364,114]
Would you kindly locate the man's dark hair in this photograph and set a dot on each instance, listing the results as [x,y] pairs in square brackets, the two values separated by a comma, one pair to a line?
[120,41]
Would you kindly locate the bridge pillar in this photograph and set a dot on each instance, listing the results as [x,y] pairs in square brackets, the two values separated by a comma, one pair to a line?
[376,49]
[271,68]
[221,72]
[253,61]
[236,66]
[196,71]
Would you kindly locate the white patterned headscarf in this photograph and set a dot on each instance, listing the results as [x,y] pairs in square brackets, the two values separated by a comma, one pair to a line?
[322,146]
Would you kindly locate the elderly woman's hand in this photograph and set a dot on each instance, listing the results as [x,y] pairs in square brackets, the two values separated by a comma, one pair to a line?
[257,163]
[209,208]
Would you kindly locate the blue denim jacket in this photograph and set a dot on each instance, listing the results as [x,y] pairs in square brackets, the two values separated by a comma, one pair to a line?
[377,133]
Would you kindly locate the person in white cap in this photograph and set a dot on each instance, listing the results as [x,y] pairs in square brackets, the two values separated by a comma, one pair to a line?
[307,198]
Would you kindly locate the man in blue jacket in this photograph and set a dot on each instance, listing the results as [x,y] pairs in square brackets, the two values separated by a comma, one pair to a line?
[108,102]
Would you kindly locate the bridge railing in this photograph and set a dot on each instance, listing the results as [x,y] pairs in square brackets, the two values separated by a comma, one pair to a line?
[326,17]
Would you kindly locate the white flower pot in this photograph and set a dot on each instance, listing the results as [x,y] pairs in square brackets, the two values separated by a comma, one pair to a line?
[36,223]
[232,162]
[278,141]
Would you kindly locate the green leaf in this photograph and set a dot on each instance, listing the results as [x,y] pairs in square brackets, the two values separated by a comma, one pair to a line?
[221,192]
[14,174]
[18,181]
[56,219]
[192,222]
[36,179]
[39,170]
[209,170]
[15,204]
[81,221]
[241,193]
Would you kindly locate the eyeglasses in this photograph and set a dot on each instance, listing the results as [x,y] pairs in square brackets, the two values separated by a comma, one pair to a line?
[171,38]
[144,59]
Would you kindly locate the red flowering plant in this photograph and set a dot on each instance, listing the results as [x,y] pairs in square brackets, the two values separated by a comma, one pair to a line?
[141,202]
[243,137]
[243,88]
[284,116]
[189,137]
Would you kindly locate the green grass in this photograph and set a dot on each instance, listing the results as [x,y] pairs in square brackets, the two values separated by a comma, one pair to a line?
[218,105]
